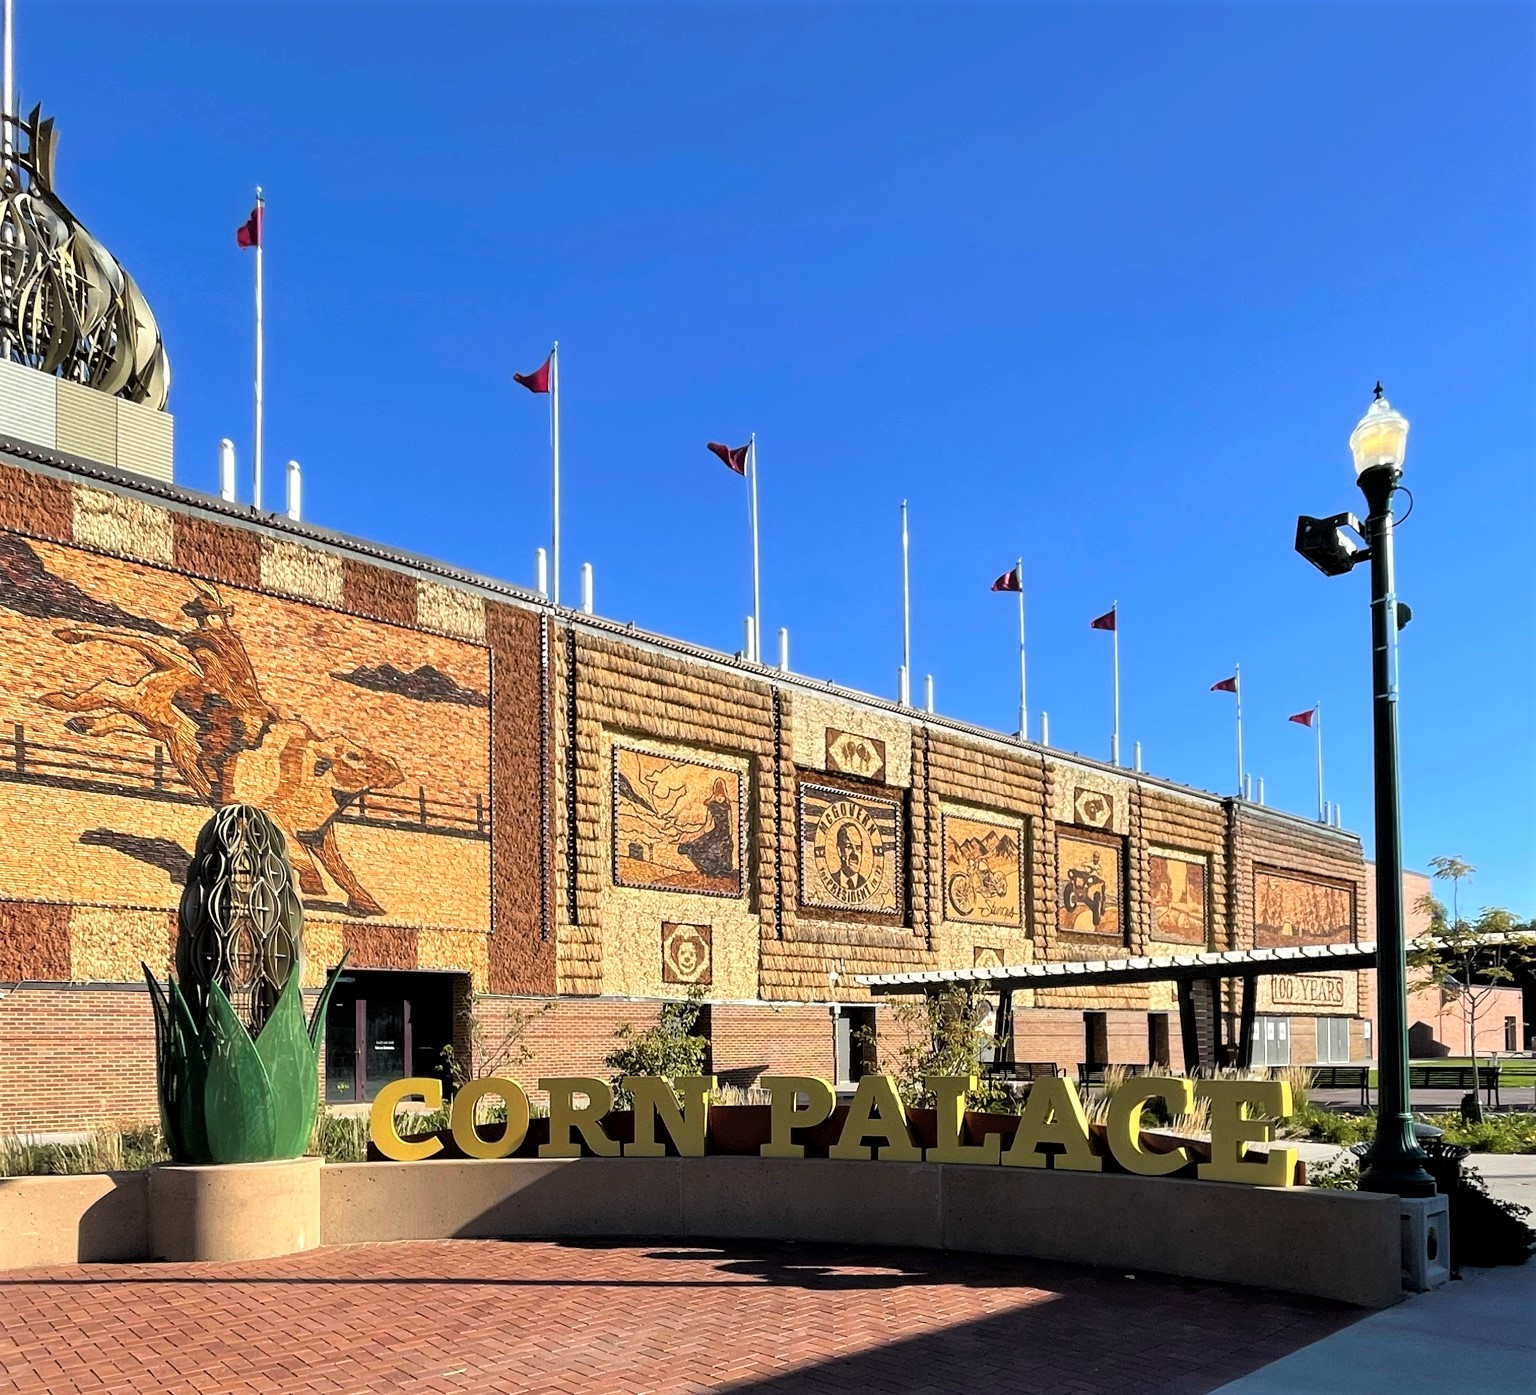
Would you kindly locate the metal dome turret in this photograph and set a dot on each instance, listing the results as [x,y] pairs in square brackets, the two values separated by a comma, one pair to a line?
[67,306]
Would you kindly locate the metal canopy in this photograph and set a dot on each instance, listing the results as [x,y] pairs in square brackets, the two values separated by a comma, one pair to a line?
[1209,1040]
[1146,968]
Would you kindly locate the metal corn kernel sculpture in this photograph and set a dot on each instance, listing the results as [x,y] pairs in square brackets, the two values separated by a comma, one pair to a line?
[238,1068]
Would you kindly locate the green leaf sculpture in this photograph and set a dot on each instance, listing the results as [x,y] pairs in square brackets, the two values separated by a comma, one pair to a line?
[237,1067]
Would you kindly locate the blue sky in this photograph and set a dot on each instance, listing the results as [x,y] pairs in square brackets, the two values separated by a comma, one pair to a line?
[1107,286]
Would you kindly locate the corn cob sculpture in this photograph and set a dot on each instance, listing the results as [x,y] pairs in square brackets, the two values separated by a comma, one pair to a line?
[237,1066]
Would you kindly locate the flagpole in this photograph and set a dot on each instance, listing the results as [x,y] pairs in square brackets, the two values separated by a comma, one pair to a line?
[7,136]
[1023,689]
[554,465]
[1318,723]
[905,695]
[757,596]
[261,242]
[1114,746]
[1238,689]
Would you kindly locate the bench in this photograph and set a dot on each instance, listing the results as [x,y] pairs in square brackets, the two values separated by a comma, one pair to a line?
[1456,1078]
[1344,1078]
[1018,1070]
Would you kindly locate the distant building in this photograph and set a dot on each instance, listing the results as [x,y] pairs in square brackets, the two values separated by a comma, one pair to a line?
[1438,1022]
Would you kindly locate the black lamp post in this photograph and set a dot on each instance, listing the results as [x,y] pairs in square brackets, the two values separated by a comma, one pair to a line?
[1395,1162]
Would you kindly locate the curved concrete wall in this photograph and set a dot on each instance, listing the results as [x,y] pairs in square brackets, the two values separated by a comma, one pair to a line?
[1329,1244]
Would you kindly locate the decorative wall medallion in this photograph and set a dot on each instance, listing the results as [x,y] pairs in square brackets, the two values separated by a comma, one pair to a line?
[848,753]
[1291,910]
[983,871]
[1092,809]
[677,824]
[1178,890]
[1089,897]
[686,953]
[850,851]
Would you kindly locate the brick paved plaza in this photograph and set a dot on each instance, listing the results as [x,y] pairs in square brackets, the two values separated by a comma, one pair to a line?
[456,1316]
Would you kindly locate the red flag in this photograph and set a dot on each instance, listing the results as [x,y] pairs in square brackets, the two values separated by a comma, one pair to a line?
[1105,622]
[1304,718]
[1008,581]
[736,459]
[248,234]
[538,380]
[1227,685]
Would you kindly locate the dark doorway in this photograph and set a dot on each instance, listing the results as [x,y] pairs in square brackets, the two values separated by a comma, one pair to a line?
[853,1032]
[384,1025]
[1157,1039]
[1095,1040]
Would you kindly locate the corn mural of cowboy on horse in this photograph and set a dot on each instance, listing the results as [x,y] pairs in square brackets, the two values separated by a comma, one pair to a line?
[133,699]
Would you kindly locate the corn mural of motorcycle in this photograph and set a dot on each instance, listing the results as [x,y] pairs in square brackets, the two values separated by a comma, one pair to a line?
[978,883]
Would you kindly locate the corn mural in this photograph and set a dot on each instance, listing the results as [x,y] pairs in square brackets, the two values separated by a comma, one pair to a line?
[237,1065]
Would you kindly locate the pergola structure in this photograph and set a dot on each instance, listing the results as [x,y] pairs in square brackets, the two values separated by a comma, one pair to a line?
[1197,977]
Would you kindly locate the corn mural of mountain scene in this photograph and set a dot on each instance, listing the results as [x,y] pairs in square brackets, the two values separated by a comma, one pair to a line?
[237,1064]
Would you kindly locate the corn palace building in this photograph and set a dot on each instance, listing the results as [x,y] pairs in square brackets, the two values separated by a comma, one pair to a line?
[525,826]
[504,814]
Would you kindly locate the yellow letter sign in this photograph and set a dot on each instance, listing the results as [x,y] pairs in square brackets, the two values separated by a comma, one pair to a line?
[381,1118]
[786,1116]
[1232,1126]
[876,1112]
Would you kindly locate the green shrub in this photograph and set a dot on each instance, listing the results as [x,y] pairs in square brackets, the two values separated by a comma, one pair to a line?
[1324,1126]
[1485,1230]
[341,1137]
[103,1150]
[669,1049]
[1340,1175]
[1493,1133]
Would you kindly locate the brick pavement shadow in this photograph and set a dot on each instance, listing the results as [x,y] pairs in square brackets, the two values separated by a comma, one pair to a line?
[747,1317]
[817,1266]
[1078,1330]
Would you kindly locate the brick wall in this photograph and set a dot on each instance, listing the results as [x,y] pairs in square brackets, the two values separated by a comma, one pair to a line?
[1438,1026]
[749,1040]
[74,1058]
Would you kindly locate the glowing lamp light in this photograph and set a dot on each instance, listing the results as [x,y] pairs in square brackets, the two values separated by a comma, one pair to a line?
[1380,438]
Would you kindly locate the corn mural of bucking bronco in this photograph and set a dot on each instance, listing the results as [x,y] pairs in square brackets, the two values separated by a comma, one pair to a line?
[237,1065]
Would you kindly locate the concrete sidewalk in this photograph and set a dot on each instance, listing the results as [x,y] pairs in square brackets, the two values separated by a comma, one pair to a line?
[1478,1334]
[1475,1335]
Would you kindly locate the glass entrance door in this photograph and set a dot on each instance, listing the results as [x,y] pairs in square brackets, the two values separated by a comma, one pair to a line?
[384,1026]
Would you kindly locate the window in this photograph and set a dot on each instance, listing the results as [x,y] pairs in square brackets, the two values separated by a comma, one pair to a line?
[1332,1039]
[1271,1041]
[1509,1034]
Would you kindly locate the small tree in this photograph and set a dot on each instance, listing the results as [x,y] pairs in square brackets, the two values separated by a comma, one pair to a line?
[669,1049]
[942,1035]
[1467,962]
[492,1051]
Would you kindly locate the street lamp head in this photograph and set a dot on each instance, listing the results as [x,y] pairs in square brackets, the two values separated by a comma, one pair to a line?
[1380,438]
